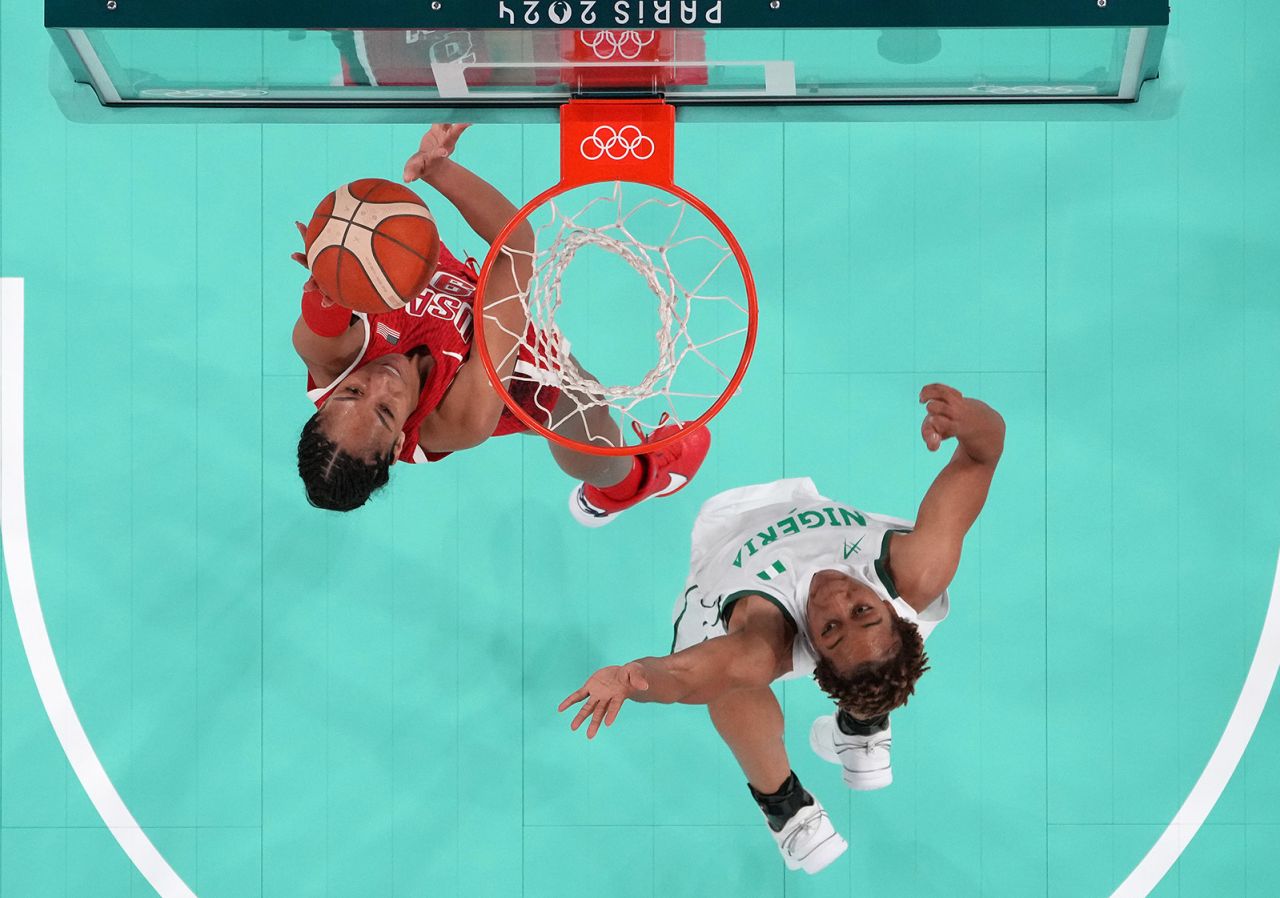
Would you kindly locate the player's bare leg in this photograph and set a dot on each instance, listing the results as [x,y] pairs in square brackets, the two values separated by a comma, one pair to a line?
[612,483]
[594,425]
[750,723]
[609,484]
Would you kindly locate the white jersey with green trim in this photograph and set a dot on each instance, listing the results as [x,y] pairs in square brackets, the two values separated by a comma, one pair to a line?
[769,540]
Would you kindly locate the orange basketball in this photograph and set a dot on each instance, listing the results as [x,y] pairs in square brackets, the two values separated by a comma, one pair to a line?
[372,245]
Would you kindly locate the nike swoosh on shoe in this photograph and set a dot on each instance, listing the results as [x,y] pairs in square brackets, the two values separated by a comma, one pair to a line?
[676,481]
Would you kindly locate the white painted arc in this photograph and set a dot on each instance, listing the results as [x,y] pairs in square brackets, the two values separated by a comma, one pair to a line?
[31,625]
[1222,763]
[157,871]
[337,232]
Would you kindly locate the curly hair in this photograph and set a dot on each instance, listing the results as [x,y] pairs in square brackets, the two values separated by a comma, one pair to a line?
[874,688]
[335,479]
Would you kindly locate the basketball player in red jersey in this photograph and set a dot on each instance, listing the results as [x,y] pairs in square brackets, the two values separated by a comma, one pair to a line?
[401,386]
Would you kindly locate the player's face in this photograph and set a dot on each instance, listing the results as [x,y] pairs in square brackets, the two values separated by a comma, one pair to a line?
[848,623]
[366,412]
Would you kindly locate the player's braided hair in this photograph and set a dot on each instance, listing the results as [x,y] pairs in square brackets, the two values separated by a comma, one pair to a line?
[336,479]
[874,688]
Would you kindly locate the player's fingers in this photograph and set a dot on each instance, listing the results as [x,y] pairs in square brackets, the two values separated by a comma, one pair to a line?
[932,440]
[941,425]
[583,713]
[575,697]
[936,392]
[940,391]
[943,407]
[597,718]
[436,135]
[611,713]
[411,168]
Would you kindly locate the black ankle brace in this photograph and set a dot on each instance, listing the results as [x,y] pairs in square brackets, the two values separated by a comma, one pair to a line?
[852,726]
[781,806]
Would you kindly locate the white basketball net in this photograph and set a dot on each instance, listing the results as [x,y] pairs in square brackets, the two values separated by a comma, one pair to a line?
[702,314]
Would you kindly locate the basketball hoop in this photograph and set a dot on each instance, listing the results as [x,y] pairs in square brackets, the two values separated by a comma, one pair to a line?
[617,193]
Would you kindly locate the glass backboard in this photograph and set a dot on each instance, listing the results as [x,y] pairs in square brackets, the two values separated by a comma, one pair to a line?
[517,55]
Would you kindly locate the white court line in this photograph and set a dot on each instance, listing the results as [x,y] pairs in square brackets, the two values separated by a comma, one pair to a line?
[1222,763]
[31,625]
[88,769]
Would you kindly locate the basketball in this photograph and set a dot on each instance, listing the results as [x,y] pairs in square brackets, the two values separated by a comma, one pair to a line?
[372,245]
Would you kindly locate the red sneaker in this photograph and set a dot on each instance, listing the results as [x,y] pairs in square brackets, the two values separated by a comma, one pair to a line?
[666,471]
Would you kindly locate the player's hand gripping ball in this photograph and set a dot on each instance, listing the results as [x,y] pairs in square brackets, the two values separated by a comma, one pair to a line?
[372,245]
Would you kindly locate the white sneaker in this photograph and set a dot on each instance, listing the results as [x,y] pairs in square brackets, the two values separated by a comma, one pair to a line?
[809,842]
[584,512]
[865,759]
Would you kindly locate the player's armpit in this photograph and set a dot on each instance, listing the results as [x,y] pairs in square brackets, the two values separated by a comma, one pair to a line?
[922,568]
[468,415]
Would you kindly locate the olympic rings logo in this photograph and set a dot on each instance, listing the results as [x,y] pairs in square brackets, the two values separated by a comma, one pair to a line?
[627,142]
[622,44]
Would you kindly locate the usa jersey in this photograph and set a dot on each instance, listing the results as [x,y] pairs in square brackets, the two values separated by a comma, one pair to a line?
[769,540]
[439,318]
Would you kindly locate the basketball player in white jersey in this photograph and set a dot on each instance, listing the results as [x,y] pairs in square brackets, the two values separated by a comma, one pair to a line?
[785,583]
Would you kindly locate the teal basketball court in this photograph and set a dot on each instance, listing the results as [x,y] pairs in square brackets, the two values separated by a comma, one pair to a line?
[290,702]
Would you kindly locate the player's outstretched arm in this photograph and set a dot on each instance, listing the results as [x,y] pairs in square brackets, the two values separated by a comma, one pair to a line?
[481,204]
[924,561]
[471,408]
[694,676]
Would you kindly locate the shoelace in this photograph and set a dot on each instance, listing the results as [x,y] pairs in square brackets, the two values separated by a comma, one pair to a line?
[641,435]
[868,748]
[802,830]
[874,745]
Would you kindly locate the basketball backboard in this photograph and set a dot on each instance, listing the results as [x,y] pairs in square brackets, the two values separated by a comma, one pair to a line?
[527,57]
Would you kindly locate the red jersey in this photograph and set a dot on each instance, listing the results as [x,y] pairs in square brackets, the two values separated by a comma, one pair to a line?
[441,319]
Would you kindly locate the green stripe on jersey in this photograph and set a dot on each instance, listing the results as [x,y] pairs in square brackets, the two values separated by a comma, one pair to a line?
[778,567]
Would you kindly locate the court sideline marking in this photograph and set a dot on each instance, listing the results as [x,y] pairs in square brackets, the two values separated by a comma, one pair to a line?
[31,624]
[1222,763]
[162,877]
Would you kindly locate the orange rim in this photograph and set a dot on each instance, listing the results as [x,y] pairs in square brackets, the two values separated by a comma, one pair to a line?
[533,424]
[580,123]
